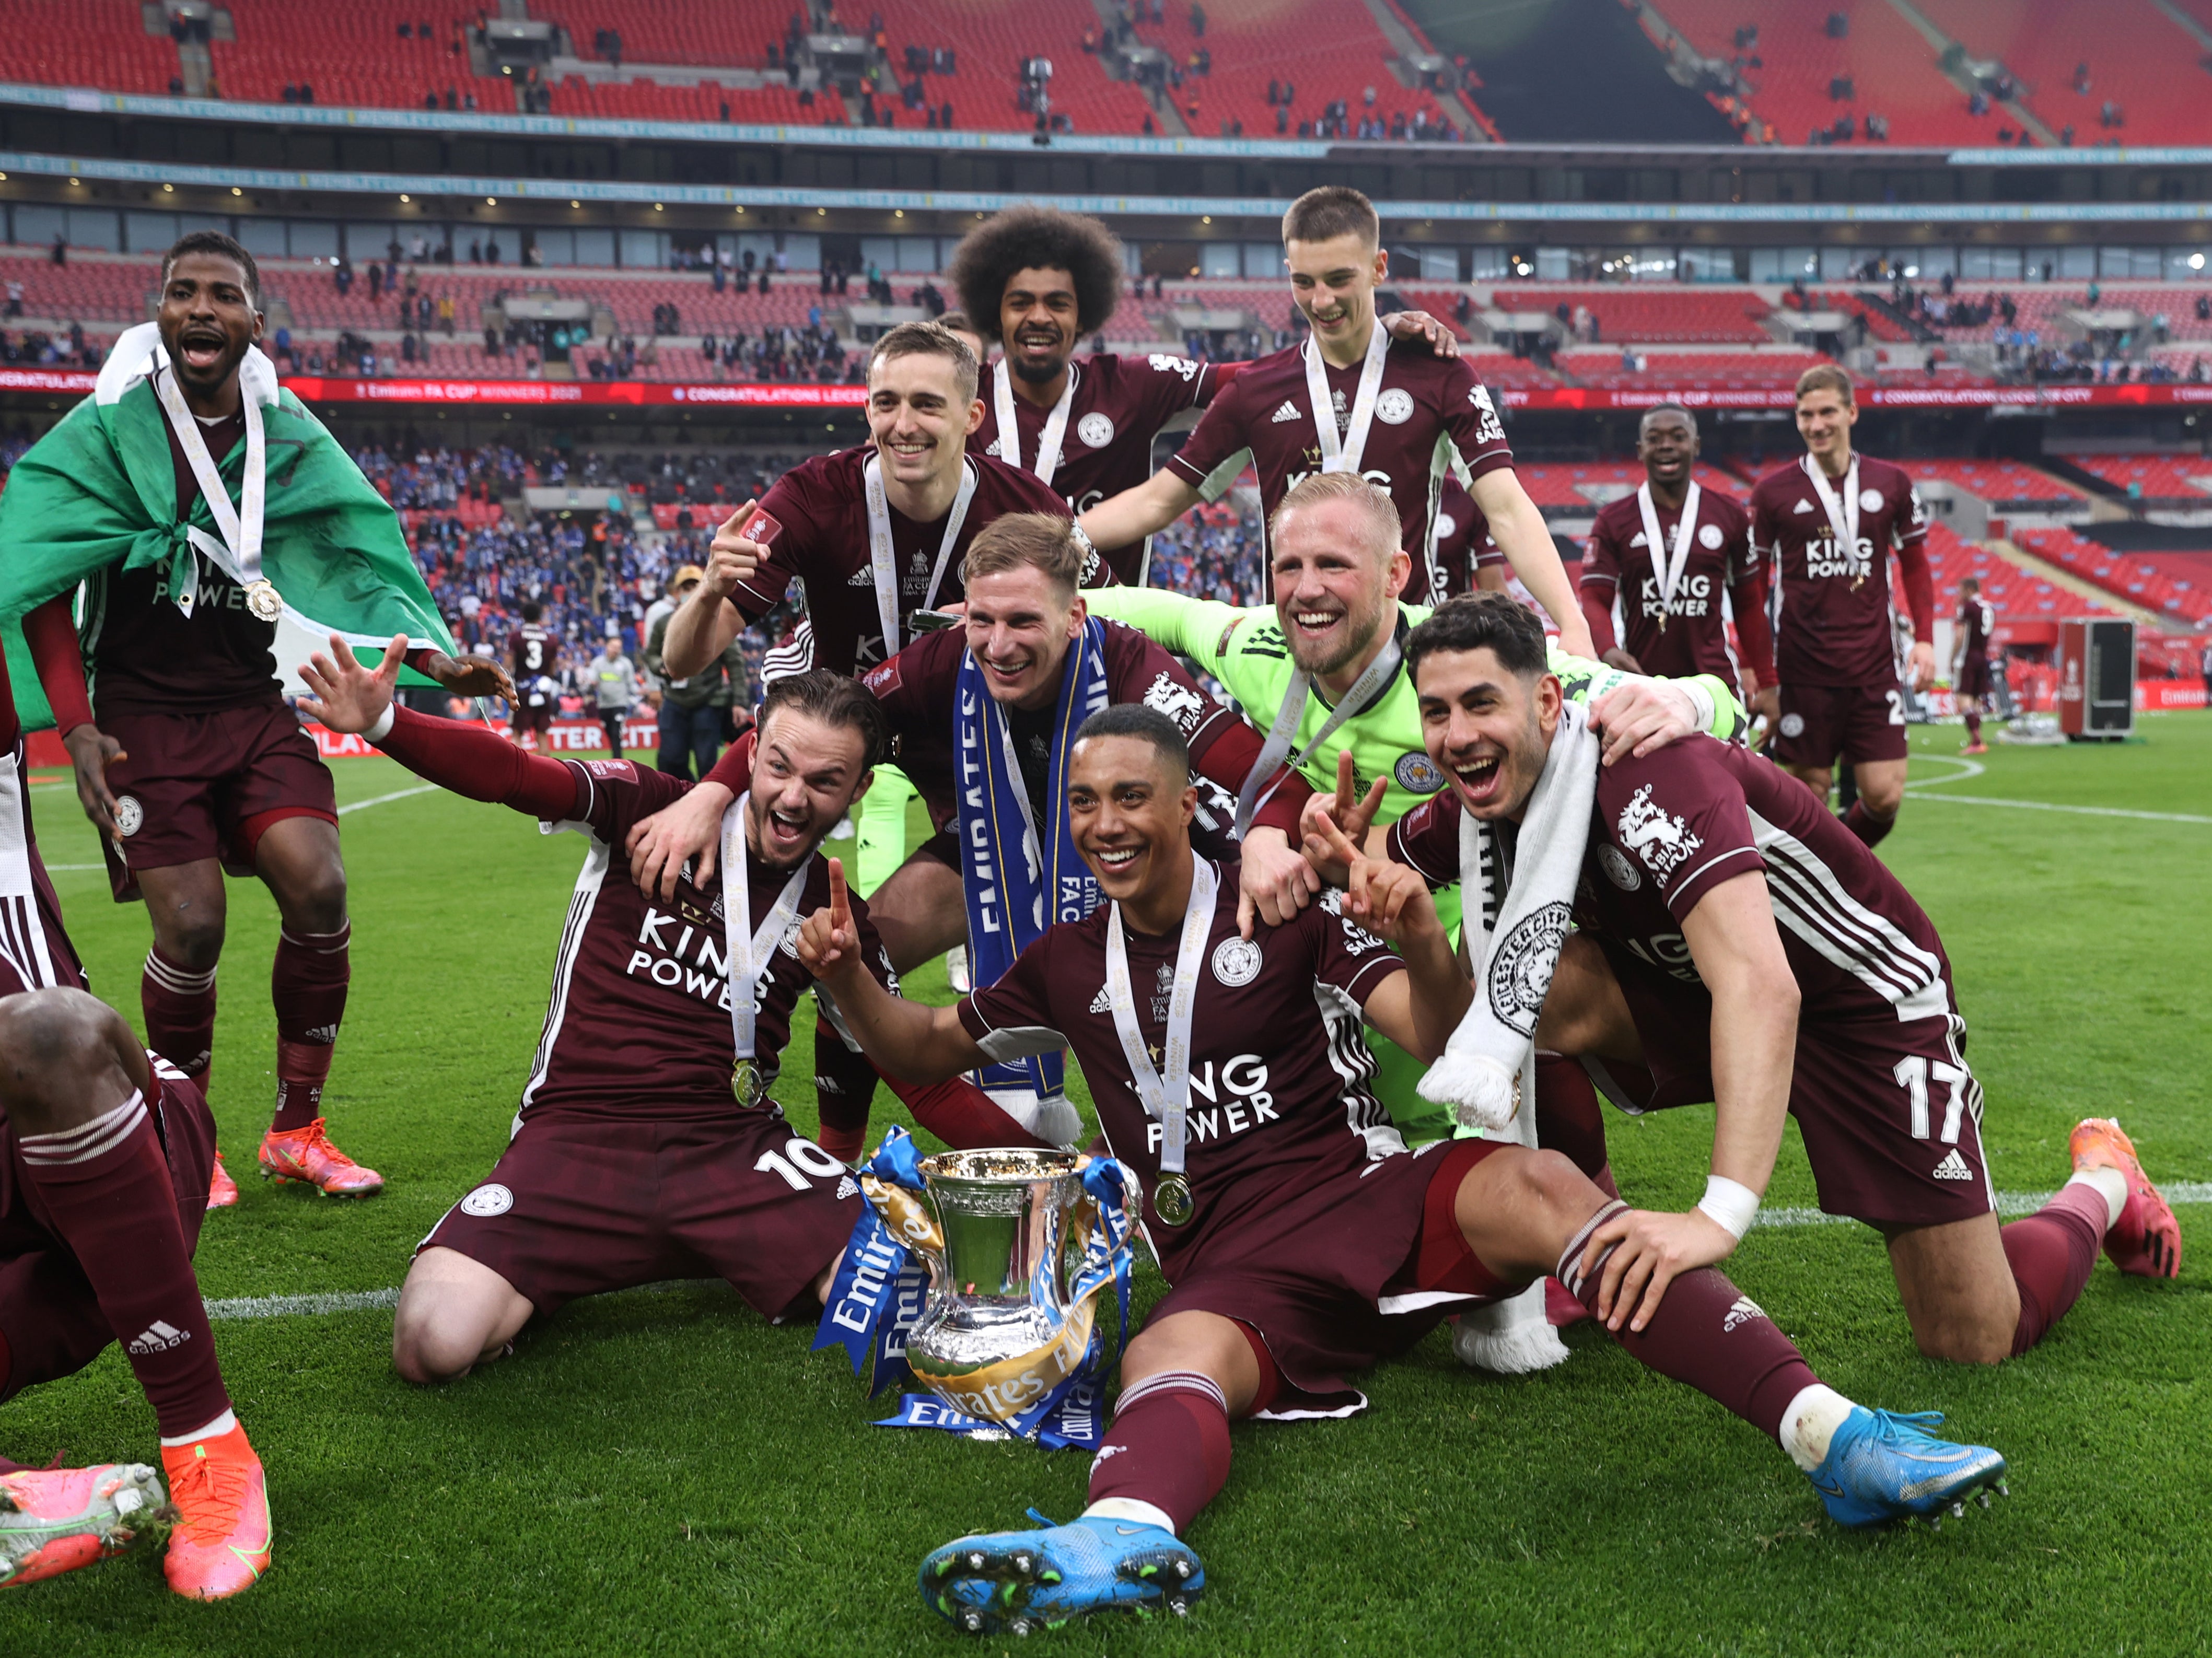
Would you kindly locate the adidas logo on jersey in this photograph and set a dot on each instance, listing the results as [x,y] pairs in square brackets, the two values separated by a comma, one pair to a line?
[1102,1003]
[1743,1312]
[863,577]
[1954,1167]
[1802,506]
[159,1337]
[1288,411]
[847,1188]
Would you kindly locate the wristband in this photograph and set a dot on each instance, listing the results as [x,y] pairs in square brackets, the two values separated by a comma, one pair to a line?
[1082,538]
[1701,705]
[382,727]
[1728,1205]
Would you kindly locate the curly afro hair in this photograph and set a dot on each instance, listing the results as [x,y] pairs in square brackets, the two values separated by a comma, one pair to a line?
[1026,238]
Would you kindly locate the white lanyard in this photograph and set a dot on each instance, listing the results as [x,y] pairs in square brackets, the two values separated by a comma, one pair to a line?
[1668,566]
[1843,516]
[239,552]
[748,950]
[1287,719]
[1009,435]
[1165,1094]
[1344,455]
[884,557]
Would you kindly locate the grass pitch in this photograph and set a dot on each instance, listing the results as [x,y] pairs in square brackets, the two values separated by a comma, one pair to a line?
[660,1472]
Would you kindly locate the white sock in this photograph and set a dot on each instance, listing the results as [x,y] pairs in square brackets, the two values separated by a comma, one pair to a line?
[2112,1184]
[215,1429]
[1129,1508]
[1811,1422]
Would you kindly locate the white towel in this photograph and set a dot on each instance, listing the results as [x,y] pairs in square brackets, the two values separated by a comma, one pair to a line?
[1488,1071]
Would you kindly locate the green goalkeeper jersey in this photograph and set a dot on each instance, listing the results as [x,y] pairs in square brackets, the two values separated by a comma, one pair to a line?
[1243,647]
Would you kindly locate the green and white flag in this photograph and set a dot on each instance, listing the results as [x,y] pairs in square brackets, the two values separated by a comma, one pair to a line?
[100,490]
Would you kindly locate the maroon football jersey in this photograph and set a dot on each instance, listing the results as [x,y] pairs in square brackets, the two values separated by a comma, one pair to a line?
[1464,546]
[1833,625]
[919,690]
[1121,404]
[1669,827]
[640,1020]
[531,649]
[1978,625]
[1617,563]
[1280,1092]
[146,656]
[823,506]
[1428,407]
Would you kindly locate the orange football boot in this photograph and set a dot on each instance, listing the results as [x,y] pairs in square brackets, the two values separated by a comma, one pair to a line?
[220,1543]
[2146,1239]
[307,1155]
[223,1191]
[56,1520]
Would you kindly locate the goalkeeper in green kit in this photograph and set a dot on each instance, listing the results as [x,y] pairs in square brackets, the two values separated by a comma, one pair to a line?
[1320,672]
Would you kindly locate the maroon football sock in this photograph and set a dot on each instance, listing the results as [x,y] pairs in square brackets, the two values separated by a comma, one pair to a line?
[844,1092]
[180,1008]
[1866,825]
[1569,1119]
[1169,1445]
[308,986]
[961,1115]
[2050,1253]
[1973,727]
[103,1188]
[1706,1332]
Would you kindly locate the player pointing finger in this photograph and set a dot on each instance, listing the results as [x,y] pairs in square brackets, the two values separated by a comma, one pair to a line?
[732,557]
[827,946]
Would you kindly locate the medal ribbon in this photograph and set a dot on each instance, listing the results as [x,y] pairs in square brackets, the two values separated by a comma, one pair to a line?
[1009,435]
[748,950]
[1166,1095]
[884,557]
[1343,455]
[1667,566]
[1277,748]
[238,553]
[1843,516]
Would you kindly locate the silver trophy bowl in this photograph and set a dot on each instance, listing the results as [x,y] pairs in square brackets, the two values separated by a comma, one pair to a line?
[998,1284]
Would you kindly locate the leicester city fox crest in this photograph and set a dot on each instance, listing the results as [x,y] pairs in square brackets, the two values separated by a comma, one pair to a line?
[1520,971]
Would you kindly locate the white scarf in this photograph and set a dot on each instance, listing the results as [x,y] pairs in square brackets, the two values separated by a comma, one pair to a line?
[1488,1072]
[1010,433]
[1343,454]
[1668,565]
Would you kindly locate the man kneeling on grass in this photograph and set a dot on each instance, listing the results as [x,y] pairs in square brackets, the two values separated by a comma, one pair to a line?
[630,1162]
[1303,1241]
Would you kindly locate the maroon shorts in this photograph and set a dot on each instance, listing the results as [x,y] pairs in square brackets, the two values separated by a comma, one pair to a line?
[525,718]
[49,1314]
[1973,679]
[1858,723]
[1316,1321]
[1891,1115]
[580,1206]
[199,785]
[34,949]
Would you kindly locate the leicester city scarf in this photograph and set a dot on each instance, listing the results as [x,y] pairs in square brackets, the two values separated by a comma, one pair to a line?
[1020,878]
[99,491]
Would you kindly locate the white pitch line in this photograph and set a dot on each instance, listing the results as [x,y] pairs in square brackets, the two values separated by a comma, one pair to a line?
[364,1301]
[2046,805]
[378,800]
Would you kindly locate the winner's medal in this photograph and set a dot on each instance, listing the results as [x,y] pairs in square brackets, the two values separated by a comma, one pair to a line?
[261,598]
[1166,1095]
[749,950]
[1843,514]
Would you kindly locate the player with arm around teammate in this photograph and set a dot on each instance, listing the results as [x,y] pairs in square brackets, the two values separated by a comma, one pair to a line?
[1744,947]
[630,1160]
[1302,1239]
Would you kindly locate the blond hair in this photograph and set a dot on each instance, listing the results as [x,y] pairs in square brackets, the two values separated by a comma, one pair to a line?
[1825,377]
[1026,541]
[1388,531]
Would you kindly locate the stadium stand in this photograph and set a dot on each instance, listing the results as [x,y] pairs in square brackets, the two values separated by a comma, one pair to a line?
[653,100]
[352,54]
[2177,584]
[1663,368]
[2018,595]
[1878,322]
[2006,485]
[1892,69]
[1659,314]
[2155,480]
[88,43]
[2139,60]
[1580,487]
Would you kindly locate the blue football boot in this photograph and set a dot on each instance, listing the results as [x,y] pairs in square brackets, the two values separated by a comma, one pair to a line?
[1881,1467]
[1016,1583]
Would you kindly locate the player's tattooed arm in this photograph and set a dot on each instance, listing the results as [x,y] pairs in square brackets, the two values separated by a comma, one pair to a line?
[1420,325]
[1737,951]
[905,1039]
